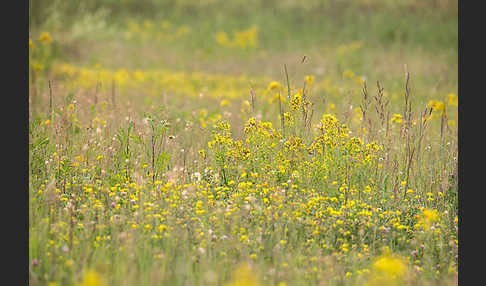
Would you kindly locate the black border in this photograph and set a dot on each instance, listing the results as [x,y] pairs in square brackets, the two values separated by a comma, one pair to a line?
[15,122]
[470,194]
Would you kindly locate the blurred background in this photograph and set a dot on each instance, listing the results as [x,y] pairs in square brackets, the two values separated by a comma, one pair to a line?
[339,43]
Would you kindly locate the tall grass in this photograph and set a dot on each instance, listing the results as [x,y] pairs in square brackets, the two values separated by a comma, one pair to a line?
[242,164]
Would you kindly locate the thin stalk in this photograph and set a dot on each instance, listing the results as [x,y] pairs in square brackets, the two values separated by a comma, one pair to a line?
[51,114]
[282,123]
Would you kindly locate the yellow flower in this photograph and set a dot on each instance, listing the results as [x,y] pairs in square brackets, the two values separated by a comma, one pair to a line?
[69,262]
[436,105]
[202,153]
[296,101]
[243,276]
[348,74]
[224,103]
[121,76]
[245,105]
[387,270]
[203,112]
[274,85]
[92,278]
[246,38]
[396,118]
[37,66]
[139,76]
[390,266]
[309,79]
[452,99]
[222,39]
[45,38]
[360,80]
[276,98]
[428,218]
[431,215]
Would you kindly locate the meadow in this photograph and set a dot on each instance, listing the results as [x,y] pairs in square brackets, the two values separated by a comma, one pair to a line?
[243,143]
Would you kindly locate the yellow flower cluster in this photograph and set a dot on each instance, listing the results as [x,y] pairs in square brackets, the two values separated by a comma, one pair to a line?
[45,38]
[149,30]
[153,81]
[241,39]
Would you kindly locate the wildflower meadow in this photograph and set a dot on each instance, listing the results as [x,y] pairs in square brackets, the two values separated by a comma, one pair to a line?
[243,142]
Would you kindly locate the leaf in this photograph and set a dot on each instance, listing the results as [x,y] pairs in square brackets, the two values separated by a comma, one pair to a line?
[41,141]
[131,125]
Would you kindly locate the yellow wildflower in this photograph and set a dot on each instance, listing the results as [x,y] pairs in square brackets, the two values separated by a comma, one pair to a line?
[224,103]
[92,278]
[309,79]
[452,99]
[348,74]
[244,276]
[396,118]
[274,85]
[45,38]
[387,270]
[436,105]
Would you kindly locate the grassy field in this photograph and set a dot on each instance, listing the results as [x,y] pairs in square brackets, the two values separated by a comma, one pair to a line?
[243,143]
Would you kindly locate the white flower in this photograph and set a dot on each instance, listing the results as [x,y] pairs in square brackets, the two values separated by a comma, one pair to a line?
[201,251]
[196,176]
